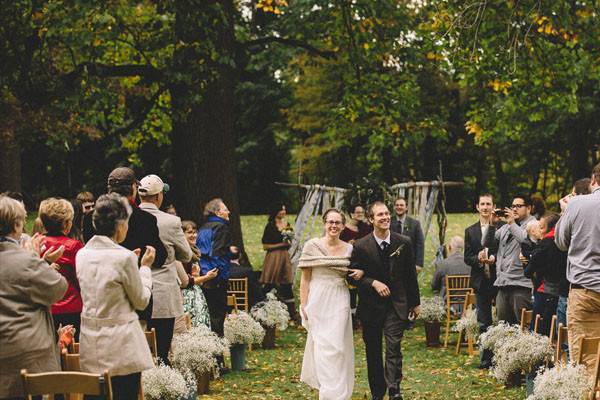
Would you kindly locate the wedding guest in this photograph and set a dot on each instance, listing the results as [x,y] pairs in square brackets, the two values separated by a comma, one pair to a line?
[277,266]
[582,186]
[405,225]
[29,286]
[538,206]
[577,232]
[87,200]
[38,227]
[168,303]
[57,216]
[454,264]
[18,196]
[355,226]
[113,287]
[194,302]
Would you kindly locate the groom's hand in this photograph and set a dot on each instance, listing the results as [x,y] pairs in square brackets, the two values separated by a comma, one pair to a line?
[381,288]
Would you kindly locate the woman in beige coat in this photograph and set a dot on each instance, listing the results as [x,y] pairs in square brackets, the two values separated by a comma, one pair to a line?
[112,288]
[28,286]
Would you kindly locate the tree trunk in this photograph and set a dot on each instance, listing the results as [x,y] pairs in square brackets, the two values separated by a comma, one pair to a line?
[203,139]
[10,162]
[501,180]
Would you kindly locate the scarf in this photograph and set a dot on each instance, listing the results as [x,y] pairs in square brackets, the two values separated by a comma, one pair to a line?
[314,255]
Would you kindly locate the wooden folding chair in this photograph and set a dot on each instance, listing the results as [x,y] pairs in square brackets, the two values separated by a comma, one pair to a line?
[151,339]
[595,394]
[537,323]
[588,346]
[526,317]
[457,289]
[238,287]
[69,361]
[470,301]
[51,383]
[562,339]
[231,302]
[73,347]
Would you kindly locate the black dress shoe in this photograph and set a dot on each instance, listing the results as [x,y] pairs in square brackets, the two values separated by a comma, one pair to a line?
[396,397]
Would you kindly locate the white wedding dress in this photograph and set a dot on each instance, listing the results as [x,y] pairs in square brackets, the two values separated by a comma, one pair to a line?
[328,363]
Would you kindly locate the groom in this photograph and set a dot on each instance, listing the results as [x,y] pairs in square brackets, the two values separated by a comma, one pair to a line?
[388,293]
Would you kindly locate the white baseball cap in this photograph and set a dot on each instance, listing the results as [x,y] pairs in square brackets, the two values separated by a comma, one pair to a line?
[151,185]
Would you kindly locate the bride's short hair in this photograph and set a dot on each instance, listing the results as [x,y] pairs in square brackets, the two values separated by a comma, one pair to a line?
[333,210]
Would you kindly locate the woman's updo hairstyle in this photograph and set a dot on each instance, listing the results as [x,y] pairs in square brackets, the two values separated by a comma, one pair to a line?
[110,210]
[334,210]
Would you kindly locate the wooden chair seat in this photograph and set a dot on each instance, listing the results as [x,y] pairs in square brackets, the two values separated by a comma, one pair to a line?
[51,383]
[238,287]
[457,289]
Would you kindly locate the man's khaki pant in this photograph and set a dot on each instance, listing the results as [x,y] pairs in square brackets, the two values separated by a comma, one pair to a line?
[583,319]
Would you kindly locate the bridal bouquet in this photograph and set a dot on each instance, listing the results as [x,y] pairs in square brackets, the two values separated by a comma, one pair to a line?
[432,309]
[166,383]
[468,323]
[271,312]
[197,349]
[523,351]
[241,328]
[565,382]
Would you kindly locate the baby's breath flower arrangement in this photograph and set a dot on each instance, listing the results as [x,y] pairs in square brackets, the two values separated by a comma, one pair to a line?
[196,351]
[241,328]
[523,351]
[165,383]
[271,312]
[432,309]
[496,334]
[468,323]
[565,382]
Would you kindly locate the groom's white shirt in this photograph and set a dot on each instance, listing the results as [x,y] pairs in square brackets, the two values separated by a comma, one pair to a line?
[387,239]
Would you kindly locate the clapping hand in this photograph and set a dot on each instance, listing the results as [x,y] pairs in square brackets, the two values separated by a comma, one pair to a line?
[149,255]
[51,255]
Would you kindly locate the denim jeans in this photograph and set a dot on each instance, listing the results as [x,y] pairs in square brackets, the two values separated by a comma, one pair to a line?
[561,311]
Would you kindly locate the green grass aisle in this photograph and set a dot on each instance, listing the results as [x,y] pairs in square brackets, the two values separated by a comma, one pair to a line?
[429,373]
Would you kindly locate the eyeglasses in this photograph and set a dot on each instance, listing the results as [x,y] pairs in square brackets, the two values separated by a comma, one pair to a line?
[518,205]
[336,223]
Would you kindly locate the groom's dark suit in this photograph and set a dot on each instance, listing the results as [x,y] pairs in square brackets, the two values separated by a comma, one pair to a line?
[395,267]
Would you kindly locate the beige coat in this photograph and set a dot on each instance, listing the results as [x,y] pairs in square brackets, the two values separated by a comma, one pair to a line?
[167,300]
[112,288]
[28,286]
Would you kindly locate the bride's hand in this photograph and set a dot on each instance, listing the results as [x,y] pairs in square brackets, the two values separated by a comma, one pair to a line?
[303,311]
[356,274]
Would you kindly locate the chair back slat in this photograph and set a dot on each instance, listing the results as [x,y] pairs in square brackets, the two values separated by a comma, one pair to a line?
[238,287]
[596,377]
[538,323]
[70,362]
[553,330]
[526,317]
[50,383]
[151,339]
[73,347]
[231,302]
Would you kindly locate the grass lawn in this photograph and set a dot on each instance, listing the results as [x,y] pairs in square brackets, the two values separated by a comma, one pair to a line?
[428,373]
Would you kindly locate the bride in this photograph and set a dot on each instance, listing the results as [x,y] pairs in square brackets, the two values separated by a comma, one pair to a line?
[328,363]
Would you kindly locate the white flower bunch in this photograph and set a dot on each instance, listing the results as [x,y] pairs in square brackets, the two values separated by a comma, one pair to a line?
[271,312]
[468,323]
[524,351]
[241,328]
[165,383]
[567,382]
[495,335]
[432,309]
[196,350]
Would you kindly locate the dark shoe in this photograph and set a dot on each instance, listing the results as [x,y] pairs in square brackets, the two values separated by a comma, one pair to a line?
[396,397]
[223,370]
[485,365]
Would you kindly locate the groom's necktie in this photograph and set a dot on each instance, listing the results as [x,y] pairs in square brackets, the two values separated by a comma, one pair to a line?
[399,227]
[384,246]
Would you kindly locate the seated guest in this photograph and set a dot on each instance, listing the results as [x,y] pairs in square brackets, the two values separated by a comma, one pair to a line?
[57,217]
[27,289]
[237,270]
[453,265]
[113,287]
[547,267]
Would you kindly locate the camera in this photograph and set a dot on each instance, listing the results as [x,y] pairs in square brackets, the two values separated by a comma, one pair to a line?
[500,212]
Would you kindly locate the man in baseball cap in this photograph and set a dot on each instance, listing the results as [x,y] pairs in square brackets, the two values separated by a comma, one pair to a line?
[121,176]
[151,185]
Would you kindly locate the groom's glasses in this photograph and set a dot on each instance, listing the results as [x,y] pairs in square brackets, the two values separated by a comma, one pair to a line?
[333,223]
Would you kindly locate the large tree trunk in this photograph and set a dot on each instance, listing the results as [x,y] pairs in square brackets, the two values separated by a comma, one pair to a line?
[203,139]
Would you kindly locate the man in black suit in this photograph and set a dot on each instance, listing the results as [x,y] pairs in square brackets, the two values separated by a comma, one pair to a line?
[143,230]
[388,296]
[478,238]
[405,225]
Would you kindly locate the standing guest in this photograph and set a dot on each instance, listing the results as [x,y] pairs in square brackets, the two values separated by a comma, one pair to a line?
[582,186]
[113,287]
[388,299]
[168,303]
[483,271]
[578,231]
[18,196]
[547,265]
[355,226]
[405,225]
[194,302]
[27,289]
[87,200]
[538,206]
[170,209]
[514,289]
[143,229]
[277,266]
[214,242]
[76,231]
[454,264]
[57,217]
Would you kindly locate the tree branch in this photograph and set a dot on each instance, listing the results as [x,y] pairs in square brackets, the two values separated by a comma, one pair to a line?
[141,117]
[293,43]
[113,71]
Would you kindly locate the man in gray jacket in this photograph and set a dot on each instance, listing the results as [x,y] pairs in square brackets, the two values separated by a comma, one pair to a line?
[454,264]
[165,288]
[514,289]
